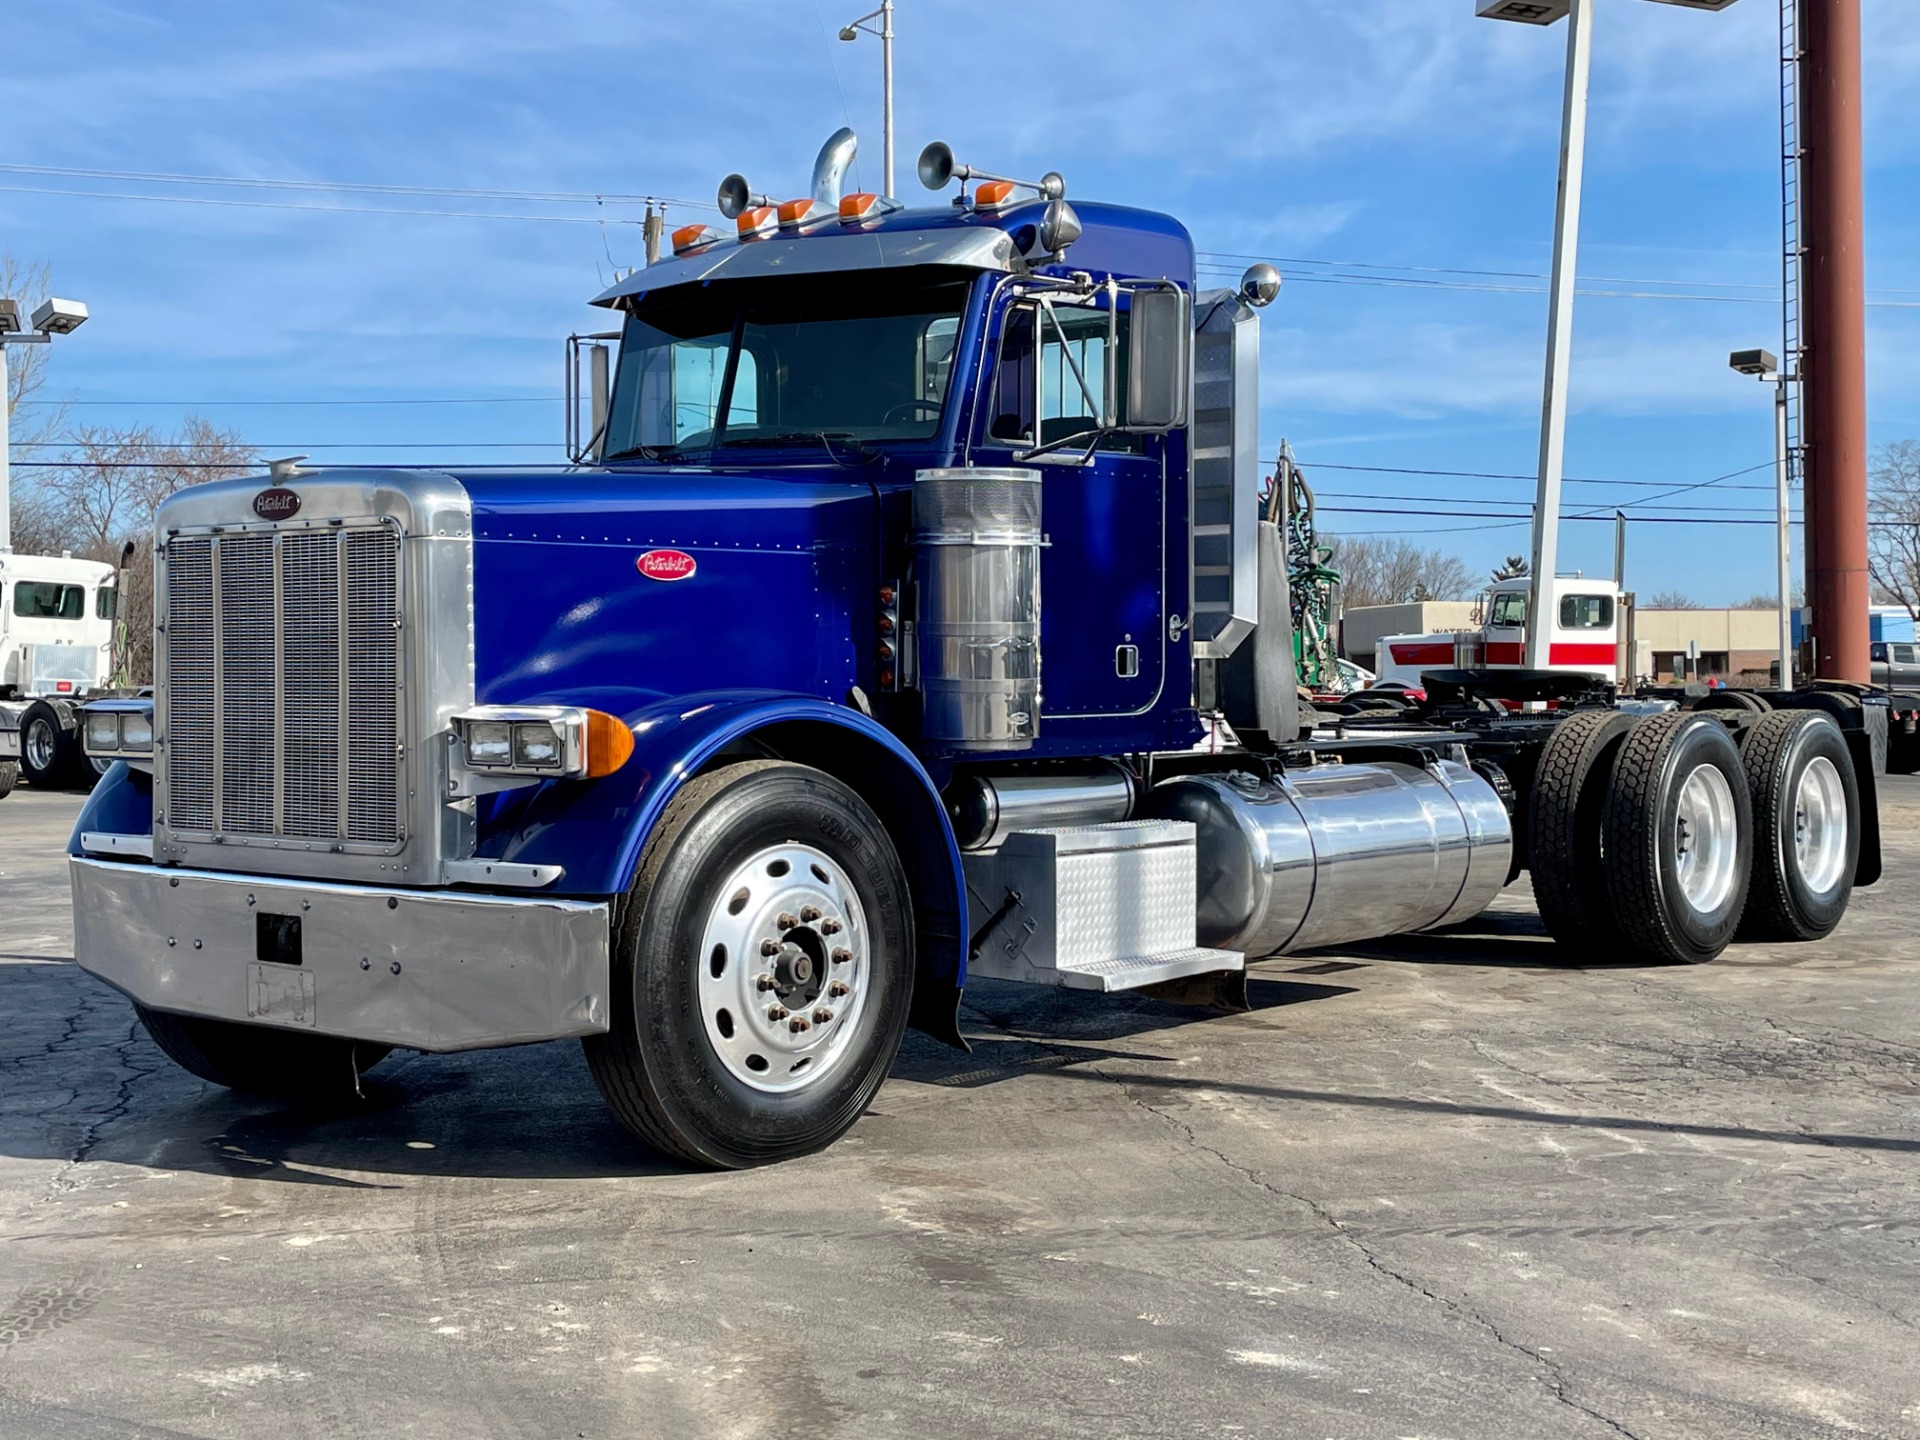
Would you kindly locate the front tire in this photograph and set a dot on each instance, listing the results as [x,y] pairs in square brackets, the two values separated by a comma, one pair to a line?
[1678,838]
[763,969]
[1806,820]
[9,776]
[262,1059]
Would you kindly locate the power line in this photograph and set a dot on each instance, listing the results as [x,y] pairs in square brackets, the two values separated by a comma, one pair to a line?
[221,404]
[310,209]
[576,197]
[1569,480]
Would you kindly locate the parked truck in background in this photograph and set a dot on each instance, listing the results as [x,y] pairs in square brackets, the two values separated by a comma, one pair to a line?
[56,650]
[913,617]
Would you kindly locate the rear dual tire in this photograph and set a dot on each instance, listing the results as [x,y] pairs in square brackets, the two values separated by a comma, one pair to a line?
[1806,808]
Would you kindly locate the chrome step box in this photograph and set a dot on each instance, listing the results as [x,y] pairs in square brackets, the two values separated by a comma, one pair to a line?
[1092,907]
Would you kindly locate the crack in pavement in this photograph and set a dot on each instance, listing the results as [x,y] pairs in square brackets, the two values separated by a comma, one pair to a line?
[1553,1376]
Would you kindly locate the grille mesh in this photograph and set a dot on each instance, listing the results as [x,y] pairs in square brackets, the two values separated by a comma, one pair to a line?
[282,699]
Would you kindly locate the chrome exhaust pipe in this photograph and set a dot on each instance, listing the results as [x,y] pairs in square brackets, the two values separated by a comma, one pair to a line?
[830,169]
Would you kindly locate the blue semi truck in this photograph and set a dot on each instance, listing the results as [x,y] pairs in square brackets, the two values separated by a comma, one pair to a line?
[911,611]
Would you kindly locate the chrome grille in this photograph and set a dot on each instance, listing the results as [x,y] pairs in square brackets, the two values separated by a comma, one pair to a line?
[282,691]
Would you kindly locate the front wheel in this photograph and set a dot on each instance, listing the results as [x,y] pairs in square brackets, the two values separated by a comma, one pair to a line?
[262,1059]
[1678,838]
[47,747]
[762,969]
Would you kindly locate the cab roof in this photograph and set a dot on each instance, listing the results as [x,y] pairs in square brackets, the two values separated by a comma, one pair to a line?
[1115,239]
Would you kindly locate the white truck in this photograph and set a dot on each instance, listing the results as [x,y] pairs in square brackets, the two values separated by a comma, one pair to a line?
[56,650]
[1584,639]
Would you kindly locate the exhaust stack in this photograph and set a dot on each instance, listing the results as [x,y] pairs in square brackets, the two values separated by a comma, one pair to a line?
[830,169]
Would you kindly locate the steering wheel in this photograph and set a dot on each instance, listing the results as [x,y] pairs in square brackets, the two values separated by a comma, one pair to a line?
[933,405]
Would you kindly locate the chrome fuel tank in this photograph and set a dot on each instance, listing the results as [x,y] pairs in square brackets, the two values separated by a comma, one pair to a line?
[1338,852]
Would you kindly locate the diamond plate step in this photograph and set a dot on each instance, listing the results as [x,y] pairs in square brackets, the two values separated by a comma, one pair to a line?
[1090,907]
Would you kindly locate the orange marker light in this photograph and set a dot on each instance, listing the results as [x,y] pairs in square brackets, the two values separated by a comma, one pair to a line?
[992,194]
[688,236]
[609,743]
[858,205]
[792,212]
[754,219]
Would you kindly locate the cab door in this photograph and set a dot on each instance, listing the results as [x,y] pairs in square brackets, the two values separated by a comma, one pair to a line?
[1103,614]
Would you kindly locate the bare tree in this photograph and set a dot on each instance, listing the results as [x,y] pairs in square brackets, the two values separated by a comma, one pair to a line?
[103,495]
[1893,542]
[1673,600]
[1377,570]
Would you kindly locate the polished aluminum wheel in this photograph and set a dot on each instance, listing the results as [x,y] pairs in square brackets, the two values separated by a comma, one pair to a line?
[1820,825]
[1707,839]
[41,743]
[785,969]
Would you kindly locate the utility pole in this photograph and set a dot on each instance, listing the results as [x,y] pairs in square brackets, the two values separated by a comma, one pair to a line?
[52,317]
[853,32]
[1835,365]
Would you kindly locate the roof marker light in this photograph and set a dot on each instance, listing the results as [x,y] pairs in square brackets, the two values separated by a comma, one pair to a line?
[992,194]
[755,220]
[692,237]
[795,213]
[859,205]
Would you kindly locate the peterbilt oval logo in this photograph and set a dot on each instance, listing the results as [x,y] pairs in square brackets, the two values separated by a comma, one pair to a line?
[666,565]
[276,504]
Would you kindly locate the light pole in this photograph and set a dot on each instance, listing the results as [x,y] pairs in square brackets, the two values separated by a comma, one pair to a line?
[1566,244]
[1763,366]
[51,318]
[853,32]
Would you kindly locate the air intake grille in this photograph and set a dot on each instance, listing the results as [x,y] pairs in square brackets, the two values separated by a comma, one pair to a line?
[282,693]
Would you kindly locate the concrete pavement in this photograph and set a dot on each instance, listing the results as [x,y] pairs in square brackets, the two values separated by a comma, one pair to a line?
[1432,1187]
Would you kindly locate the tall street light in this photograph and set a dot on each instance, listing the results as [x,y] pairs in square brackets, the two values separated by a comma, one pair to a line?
[1764,366]
[853,32]
[1566,243]
[51,318]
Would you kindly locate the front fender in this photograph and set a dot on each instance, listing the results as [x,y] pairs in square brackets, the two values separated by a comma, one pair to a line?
[120,803]
[597,829]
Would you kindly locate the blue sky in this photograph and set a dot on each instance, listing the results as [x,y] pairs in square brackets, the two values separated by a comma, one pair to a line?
[1403,134]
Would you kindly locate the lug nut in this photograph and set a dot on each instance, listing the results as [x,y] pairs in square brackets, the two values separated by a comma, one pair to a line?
[821,1017]
[837,989]
[809,914]
[786,921]
[777,1012]
[766,982]
[830,927]
[797,1024]
[841,957]
[769,948]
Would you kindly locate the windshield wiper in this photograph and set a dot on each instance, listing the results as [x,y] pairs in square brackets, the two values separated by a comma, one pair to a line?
[788,437]
[645,452]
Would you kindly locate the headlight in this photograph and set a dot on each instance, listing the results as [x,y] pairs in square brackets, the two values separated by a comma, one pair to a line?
[136,732]
[537,746]
[489,742]
[103,732]
[542,741]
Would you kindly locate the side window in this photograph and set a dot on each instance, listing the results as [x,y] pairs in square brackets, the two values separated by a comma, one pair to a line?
[934,364]
[43,600]
[1903,654]
[1509,608]
[1586,612]
[1013,379]
[1877,652]
[106,603]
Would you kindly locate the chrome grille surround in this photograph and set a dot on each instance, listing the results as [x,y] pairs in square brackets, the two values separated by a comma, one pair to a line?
[306,672]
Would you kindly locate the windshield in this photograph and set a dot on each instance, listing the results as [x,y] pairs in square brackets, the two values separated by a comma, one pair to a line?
[854,357]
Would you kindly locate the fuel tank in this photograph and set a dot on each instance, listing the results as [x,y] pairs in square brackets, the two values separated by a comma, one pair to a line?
[1337,852]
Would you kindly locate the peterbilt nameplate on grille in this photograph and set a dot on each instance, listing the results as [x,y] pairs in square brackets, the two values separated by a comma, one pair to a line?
[276,504]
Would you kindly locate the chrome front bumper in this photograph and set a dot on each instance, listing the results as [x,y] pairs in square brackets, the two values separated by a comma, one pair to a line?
[429,970]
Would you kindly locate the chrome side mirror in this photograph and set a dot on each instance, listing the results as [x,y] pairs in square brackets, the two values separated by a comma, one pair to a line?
[1157,360]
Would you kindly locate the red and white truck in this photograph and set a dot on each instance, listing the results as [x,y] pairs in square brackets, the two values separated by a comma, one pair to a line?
[1585,635]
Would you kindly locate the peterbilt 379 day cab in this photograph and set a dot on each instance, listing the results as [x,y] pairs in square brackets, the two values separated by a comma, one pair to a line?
[913,619]
[56,650]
